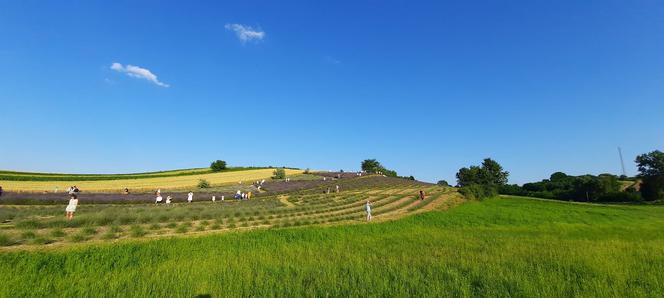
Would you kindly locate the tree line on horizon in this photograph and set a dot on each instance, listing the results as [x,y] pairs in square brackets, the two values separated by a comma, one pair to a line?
[489,179]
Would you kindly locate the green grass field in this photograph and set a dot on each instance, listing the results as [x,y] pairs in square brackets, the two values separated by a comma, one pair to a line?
[496,248]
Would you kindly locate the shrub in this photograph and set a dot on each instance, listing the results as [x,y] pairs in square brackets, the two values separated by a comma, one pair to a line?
[41,240]
[28,235]
[5,240]
[621,197]
[218,165]
[78,237]
[203,183]
[137,231]
[442,183]
[109,235]
[116,229]
[89,231]
[279,174]
[57,233]
[478,191]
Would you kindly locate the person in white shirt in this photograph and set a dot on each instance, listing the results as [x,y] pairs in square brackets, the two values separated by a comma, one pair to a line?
[190,197]
[159,199]
[71,208]
[168,199]
[337,188]
[214,199]
[368,208]
[222,198]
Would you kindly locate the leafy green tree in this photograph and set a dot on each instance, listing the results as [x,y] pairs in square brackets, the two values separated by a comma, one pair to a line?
[482,181]
[651,172]
[442,183]
[371,166]
[651,164]
[490,173]
[203,183]
[218,165]
[279,173]
[493,173]
[469,176]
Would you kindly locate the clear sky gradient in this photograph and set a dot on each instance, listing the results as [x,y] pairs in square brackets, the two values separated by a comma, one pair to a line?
[424,87]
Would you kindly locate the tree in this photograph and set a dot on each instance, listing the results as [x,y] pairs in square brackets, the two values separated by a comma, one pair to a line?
[218,165]
[651,171]
[371,166]
[443,183]
[203,183]
[557,176]
[493,172]
[482,181]
[279,174]
[469,176]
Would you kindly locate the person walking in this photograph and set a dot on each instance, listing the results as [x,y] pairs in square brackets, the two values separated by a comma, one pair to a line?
[222,198]
[368,208]
[158,199]
[71,207]
[190,197]
[214,199]
[421,195]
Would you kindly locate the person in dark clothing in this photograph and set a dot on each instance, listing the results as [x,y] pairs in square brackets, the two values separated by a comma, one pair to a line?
[0,191]
[421,195]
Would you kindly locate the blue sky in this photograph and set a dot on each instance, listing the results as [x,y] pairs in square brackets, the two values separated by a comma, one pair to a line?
[424,87]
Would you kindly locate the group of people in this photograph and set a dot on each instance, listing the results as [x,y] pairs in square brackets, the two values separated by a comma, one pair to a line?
[329,190]
[169,199]
[259,184]
[241,196]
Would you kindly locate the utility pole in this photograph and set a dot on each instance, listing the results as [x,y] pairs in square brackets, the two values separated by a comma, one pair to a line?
[622,162]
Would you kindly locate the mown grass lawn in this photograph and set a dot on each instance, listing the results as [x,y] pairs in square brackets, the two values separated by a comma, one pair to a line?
[499,247]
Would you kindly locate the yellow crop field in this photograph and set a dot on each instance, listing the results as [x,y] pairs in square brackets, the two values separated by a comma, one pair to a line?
[143,184]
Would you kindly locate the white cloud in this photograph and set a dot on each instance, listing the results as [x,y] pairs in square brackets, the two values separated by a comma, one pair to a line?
[332,60]
[246,33]
[138,72]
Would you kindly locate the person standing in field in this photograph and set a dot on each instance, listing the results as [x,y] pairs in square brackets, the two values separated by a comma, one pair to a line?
[71,208]
[168,200]
[421,195]
[214,199]
[158,199]
[222,198]
[337,188]
[190,196]
[368,208]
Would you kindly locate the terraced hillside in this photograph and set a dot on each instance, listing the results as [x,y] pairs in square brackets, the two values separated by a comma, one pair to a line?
[172,180]
[391,198]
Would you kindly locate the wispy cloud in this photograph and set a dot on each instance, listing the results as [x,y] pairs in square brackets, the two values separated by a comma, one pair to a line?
[331,60]
[138,72]
[246,33]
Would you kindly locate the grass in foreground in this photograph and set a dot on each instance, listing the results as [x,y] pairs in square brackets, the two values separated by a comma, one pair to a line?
[500,247]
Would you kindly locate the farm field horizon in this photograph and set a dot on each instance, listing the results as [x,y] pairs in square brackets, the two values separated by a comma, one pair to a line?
[168,180]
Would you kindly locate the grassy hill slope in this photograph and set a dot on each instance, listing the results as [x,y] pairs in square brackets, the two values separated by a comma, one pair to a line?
[500,247]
